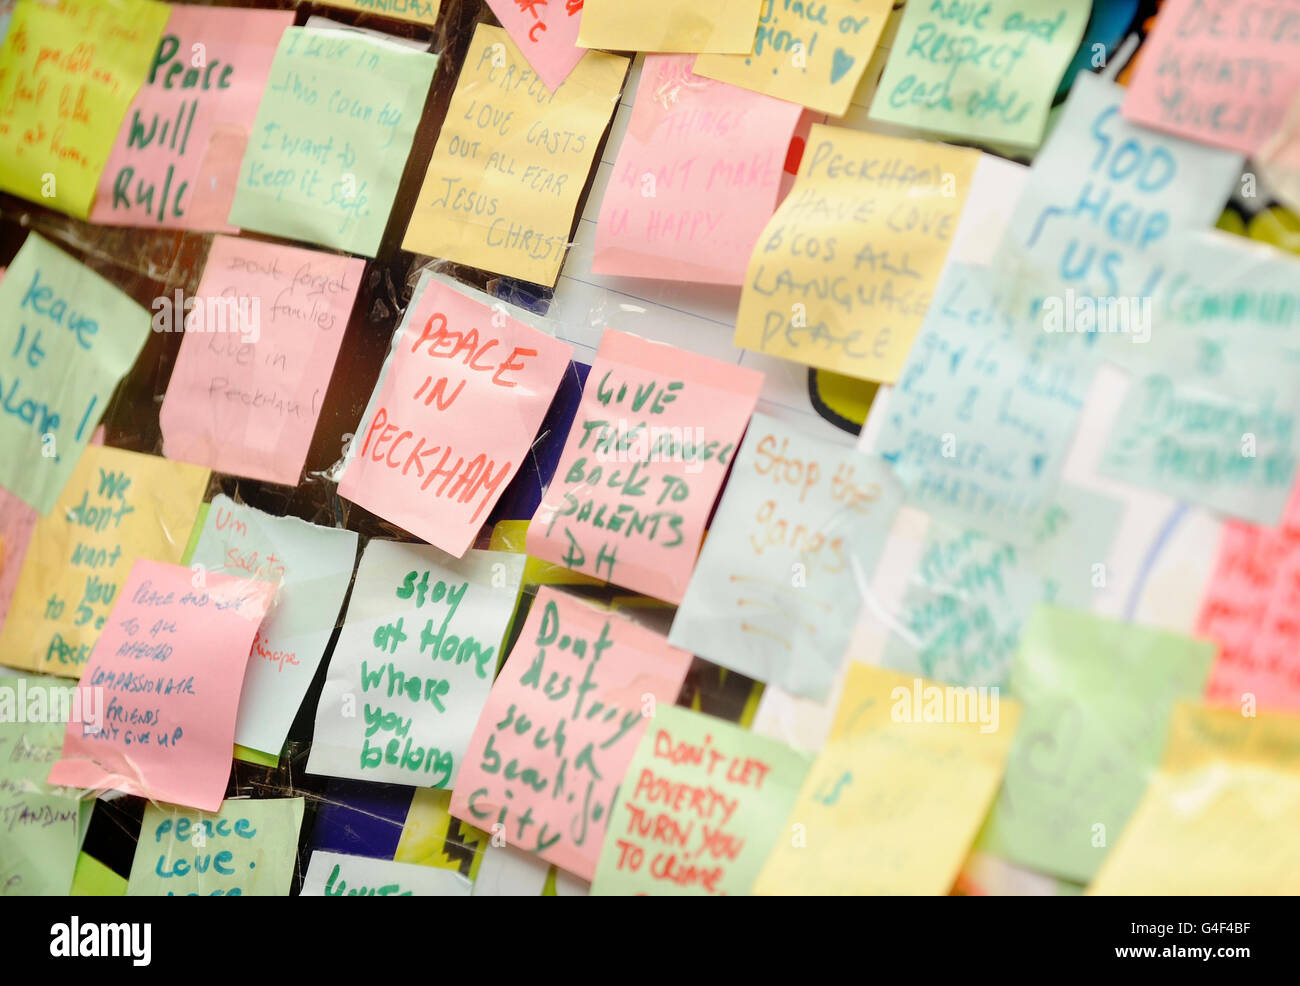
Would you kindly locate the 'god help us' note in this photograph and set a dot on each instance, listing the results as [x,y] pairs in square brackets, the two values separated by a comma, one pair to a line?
[841,277]
[171,662]
[312,566]
[414,663]
[794,542]
[259,348]
[511,160]
[117,507]
[68,72]
[247,849]
[464,390]
[176,160]
[696,179]
[984,70]
[561,726]
[67,336]
[333,130]
[670,25]
[655,432]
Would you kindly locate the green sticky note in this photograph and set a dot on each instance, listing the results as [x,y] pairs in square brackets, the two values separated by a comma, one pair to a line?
[247,849]
[699,809]
[1097,695]
[41,827]
[981,71]
[94,879]
[67,336]
[333,130]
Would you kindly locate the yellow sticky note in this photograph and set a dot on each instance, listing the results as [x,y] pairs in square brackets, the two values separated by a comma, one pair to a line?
[117,506]
[1221,814]
[68,73]
[669,25]
[896,796]
[512,159]
[811,54]
[842,276]
[412,11]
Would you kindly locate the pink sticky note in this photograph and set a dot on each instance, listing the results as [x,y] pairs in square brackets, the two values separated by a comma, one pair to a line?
[655,431]
[546,32]
[169,666]
[17,520]
[1211,73]
[176,160]
[260,343]
[461,398]
[696,179]
[560,727]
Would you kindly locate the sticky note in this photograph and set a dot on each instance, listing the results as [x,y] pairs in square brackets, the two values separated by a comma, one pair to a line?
[414,663]
[170,724]
[69,71]
[312,567]
[69,337]
[1218,816]
[812,54]
[176,159]
[673,25]
[984,71]
[412,11]
[332,874]
[701,806]
[696,179]
[1211,72]
[655,432]
[546,760]
[512,159]
[1086,745]
[247,849]
[800,526]
[463,392]
[842,276]
[17,521]
[118,507]
[256,358]
[331,137]
[895,797]
[546,33]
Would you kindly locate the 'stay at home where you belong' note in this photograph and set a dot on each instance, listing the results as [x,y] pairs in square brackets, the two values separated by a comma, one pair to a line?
[655,432]
[171,661]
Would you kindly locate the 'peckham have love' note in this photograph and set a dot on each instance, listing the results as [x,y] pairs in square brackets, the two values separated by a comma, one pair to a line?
[462,394]
[171,663]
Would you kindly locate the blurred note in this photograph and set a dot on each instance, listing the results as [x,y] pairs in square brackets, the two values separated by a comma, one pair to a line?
[669,25]
[546,33]
[412,11]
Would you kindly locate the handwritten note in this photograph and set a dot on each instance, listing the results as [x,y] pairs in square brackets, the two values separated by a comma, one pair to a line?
[511,160]
[1218,817]
[414,663]
[118,506]
[813,54]
[800,526]
[68,337]
[1217,72]
[655,432]
[260,342]
[176,160]
[330,142]
[171,661]
[699,810]
[1085,746]
[983,70]
[561,726]
[412,11]
[312,567]
[895,798]
[247,849]
[696,179]
[546,33]
[842,276]
[672,25]
[71,69]
[462,395]
[332,874]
